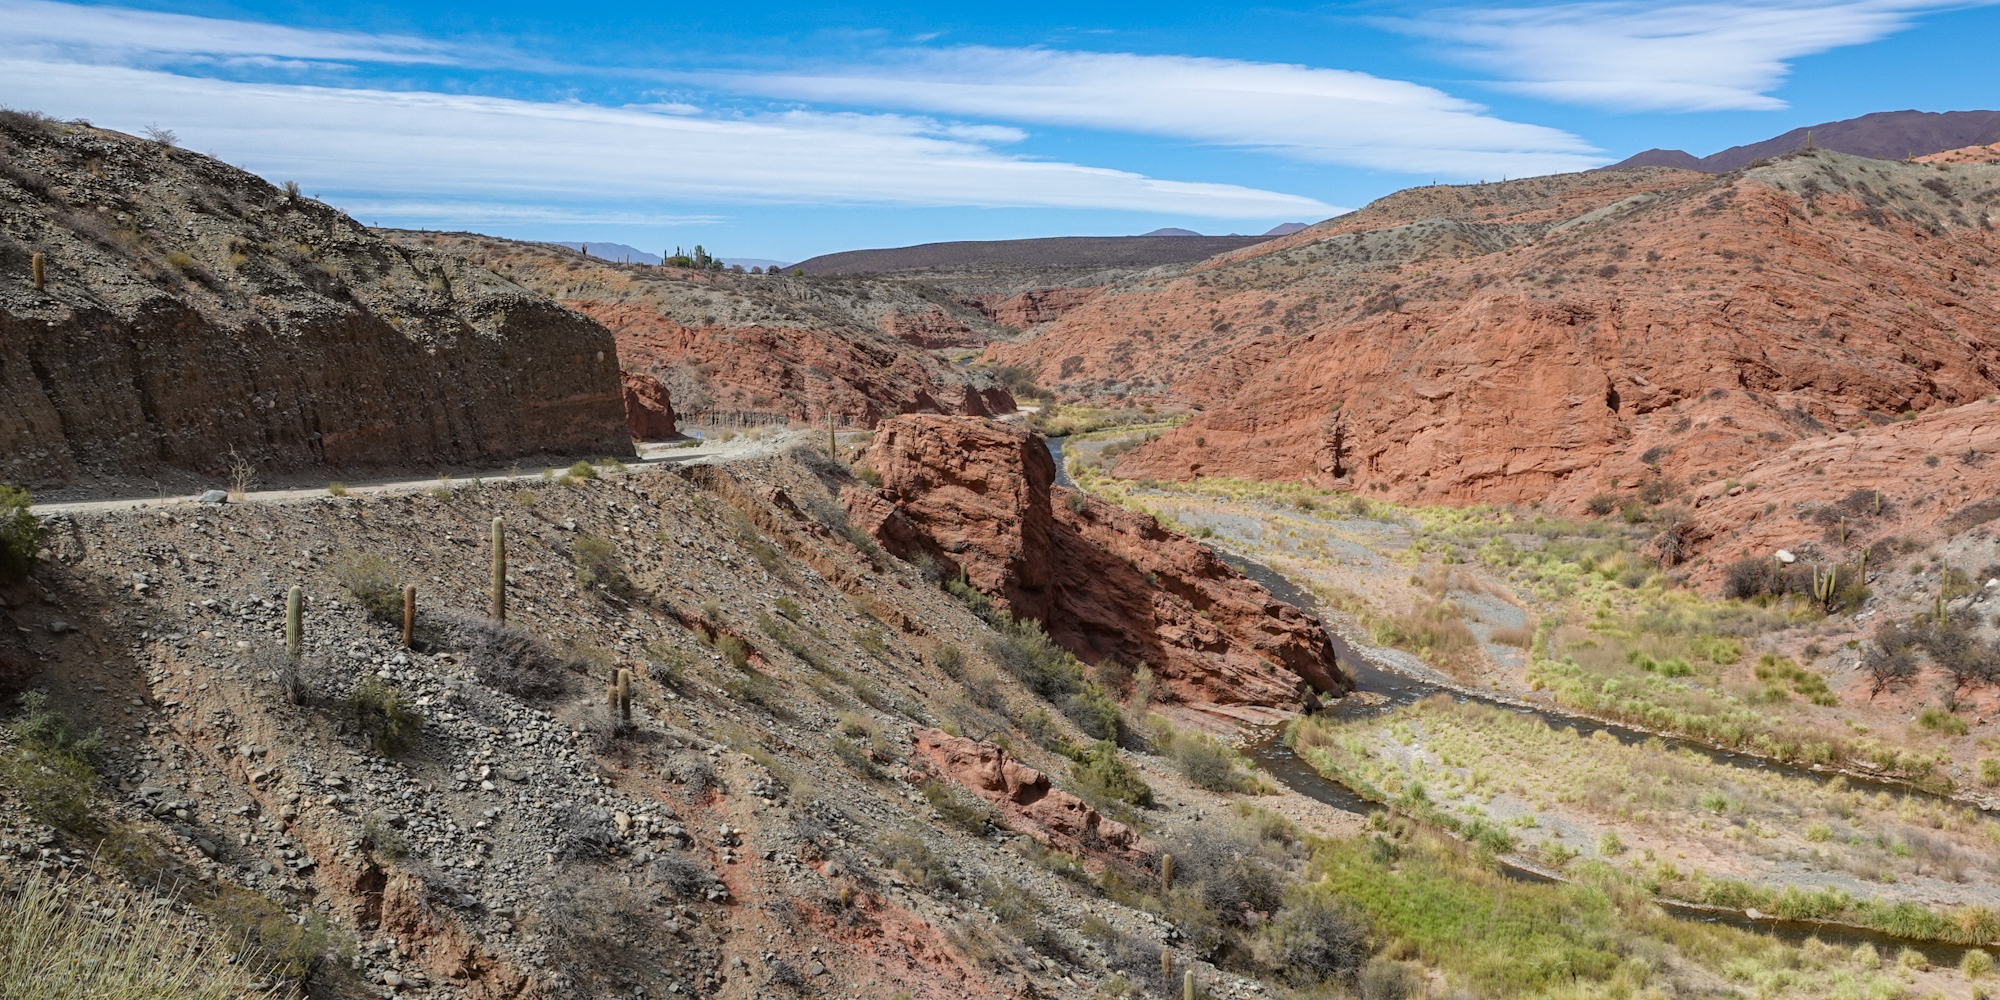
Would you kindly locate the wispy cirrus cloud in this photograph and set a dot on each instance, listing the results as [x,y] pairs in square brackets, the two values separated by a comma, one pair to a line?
[420,148]
[121,34]
[1300,112]
[1658,57]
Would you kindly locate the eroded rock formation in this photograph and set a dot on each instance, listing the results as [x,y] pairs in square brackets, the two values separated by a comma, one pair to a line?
[1048,814]
[977,497]
[648,410]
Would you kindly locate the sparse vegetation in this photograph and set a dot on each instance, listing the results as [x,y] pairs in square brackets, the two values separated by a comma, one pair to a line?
[598,564]
[373,581]
[384,715]
[56,945]
[20,533]
[1100,776]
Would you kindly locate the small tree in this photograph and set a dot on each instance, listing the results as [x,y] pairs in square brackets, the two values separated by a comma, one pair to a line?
[20,533]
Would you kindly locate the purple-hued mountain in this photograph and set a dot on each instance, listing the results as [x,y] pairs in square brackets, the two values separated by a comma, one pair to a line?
[1884,135]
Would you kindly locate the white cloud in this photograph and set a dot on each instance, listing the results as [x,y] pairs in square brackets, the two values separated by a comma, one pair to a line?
[121,34]
[442,213]
[1653,57]
[433,147]
[1318,115]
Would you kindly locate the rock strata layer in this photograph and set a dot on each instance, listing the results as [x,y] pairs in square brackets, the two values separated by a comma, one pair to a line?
[189,314]
[977,498]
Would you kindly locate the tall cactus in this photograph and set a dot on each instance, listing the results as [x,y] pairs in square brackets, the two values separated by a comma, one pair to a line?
[1825,586]
[38,269]
[1166,965]
[499,570]
[409,613]
[295,607]
[1166,872]
[624,690]
[1187,992]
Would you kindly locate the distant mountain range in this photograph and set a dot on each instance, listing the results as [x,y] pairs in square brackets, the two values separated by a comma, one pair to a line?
[615,252]
[619,253]
[1281,229]
[1884,135]
[1059,251]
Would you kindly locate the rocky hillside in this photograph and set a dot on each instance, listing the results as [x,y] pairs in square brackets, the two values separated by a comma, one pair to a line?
[1604,343]
[732,349]
[160,309]
[781,813]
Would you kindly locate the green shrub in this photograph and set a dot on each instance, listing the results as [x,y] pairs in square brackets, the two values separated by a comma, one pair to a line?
[598,564]
[582,470]
[383,714]
[950,659]
[20,533]
[1938,720]
[1316,938]
[55,788]
[856,757]
[755,687]
[1977,963]
[371,578]
[915,861]
[956,808]
[1989,772]
[1025,651]
[733,650]
[1100,774]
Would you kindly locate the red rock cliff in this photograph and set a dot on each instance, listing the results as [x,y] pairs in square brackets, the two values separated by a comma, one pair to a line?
[1106,583]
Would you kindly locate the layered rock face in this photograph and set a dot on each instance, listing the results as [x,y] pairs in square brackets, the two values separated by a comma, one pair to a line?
[737,349]
[977,497]
[1554,338]
[189,308]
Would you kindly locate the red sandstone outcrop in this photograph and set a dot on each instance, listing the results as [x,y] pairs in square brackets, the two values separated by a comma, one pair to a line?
[648,410]
[738,349]
[930,329]
[976,497]
[1046,813]
[1031,308]
[1682,333]
[1830,496]
[190,308]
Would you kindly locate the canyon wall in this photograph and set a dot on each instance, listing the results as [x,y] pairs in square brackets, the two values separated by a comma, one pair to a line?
[977,498]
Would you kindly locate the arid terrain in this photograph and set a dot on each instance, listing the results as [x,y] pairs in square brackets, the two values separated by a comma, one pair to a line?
[1564,588]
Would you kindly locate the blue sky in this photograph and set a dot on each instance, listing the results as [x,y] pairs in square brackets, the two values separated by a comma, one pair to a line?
[786,130]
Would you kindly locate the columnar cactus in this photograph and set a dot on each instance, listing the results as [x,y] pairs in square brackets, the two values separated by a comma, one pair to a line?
[624,693]
[1166,965]
[1187,991]
[409,613]
[38,268]
[499,570]
[295,607]
[1166,872]
[1825,586]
